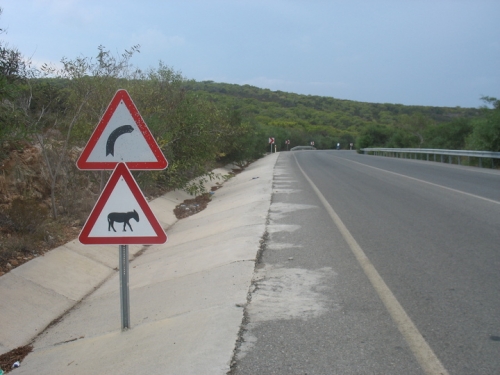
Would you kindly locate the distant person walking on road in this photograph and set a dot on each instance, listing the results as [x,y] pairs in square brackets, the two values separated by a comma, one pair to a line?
[338,146]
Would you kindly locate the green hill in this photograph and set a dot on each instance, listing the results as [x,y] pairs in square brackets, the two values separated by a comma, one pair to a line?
[327,120]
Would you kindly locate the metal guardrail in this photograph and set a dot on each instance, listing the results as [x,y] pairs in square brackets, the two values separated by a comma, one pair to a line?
[461,156]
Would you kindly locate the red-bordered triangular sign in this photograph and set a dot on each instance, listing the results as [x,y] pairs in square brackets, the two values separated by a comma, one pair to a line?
[122,215]
[122,136]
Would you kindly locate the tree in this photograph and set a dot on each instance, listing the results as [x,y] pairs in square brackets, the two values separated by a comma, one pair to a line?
[14,71]
[373,136]
[416,124]
[192,129]
[449,135]
[486,130]
[53,110]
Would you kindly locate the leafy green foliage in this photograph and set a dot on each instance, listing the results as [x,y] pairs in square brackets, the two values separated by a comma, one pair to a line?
[449,135]
[373,136]
[328,121]
[486,130]
[192,131]
[12,84]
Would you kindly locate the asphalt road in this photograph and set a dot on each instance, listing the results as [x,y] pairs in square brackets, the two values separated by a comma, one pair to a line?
[376,265]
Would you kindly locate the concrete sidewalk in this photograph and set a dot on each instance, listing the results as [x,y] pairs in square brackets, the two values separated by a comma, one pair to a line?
[186,296]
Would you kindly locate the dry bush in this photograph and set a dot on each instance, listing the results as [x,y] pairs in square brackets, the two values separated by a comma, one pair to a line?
[27,215]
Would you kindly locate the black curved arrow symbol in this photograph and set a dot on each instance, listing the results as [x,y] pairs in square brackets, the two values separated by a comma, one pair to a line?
[110,144]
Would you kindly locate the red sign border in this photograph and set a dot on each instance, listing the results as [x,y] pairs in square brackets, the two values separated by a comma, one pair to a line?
[122,170]
[84,164]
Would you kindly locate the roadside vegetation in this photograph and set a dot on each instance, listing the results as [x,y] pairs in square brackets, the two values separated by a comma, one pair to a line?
[48,113]
[328,121]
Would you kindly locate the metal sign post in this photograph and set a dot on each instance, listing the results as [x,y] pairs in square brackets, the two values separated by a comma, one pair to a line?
[124,290]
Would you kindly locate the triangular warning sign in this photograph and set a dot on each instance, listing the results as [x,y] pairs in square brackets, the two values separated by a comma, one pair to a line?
[122,215]
[121,136]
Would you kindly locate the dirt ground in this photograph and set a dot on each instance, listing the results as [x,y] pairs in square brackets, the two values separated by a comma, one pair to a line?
[12,359]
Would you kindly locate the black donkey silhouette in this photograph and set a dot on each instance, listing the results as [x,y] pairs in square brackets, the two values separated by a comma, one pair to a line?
[122,217]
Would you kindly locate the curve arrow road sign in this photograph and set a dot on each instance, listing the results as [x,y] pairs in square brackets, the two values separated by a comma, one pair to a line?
[122,136]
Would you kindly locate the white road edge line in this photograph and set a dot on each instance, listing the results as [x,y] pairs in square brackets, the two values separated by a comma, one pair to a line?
[425,182]
[428,361]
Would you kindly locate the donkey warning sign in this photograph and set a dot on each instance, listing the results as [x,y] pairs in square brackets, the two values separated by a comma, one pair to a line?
[122,215]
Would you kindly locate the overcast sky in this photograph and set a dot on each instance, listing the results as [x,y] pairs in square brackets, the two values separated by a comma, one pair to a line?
[414,52]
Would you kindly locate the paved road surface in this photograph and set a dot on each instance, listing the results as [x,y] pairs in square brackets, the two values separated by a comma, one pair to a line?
[392,267]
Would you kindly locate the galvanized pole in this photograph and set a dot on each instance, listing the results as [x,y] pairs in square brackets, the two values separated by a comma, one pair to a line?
[124,292]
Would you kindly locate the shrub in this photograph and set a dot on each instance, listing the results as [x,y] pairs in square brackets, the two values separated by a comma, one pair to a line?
[27,215]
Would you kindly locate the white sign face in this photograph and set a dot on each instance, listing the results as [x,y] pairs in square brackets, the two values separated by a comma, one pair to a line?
[122,140]
[123,205]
